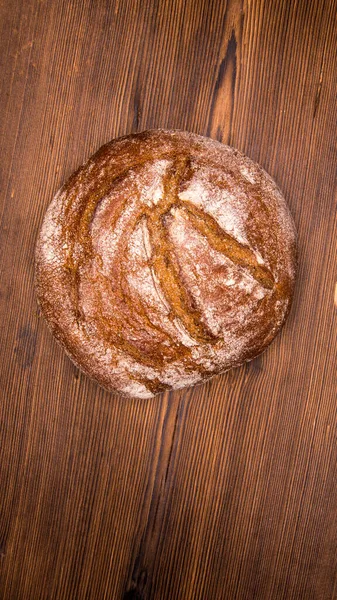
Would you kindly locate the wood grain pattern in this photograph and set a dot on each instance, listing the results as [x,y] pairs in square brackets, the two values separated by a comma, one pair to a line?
[227,490]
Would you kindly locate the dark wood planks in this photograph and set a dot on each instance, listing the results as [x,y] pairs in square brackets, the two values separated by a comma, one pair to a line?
[227,490]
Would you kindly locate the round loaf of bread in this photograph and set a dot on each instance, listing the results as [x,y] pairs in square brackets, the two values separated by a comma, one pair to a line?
[167,258]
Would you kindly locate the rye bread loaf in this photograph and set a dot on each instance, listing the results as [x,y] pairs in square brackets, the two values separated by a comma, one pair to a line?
[167,258]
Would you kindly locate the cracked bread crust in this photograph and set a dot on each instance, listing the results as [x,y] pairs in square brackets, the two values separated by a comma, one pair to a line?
[167,258]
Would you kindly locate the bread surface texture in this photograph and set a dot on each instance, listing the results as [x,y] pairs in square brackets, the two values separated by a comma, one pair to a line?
[166,259]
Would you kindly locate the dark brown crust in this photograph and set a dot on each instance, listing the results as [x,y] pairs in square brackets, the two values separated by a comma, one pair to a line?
[115,271]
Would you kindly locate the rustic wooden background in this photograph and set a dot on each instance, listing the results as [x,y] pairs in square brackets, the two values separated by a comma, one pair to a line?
[228,490]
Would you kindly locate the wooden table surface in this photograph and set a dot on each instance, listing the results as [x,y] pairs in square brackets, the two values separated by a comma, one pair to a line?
[227,490]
